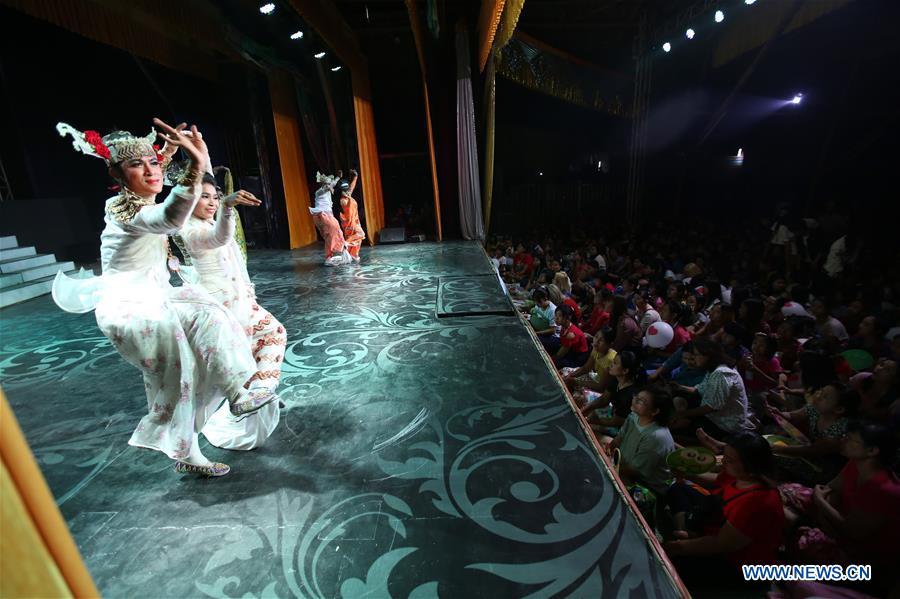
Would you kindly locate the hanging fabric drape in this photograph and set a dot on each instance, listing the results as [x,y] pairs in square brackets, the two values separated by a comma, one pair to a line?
[418,36]
[488,21]
[545,69]
[290,154]
[508,21]
[318,145]
[471,222]
[369,168]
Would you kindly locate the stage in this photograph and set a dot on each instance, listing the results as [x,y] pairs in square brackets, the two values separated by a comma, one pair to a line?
[426,450]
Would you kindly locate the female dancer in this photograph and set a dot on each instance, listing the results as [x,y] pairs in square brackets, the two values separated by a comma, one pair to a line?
[208,240]
[353,231]
[325,222]
[188,347]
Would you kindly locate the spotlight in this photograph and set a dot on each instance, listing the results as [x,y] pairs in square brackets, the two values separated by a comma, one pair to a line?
[797,99]
[720,16]
[740,153]
[335,69]
[749,2]
[540,173]
[297,35]
[689,34]
[267,8]
[667,47]
[319,55]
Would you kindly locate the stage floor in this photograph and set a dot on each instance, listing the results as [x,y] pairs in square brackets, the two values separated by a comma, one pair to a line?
[418,456]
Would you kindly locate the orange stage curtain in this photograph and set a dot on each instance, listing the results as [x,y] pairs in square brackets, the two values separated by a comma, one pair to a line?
[418,35]
[290,155]
[38,557]
[488,20]
[369,168]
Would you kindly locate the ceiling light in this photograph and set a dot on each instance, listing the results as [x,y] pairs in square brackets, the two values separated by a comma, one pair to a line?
[720,16]
[667,47]
[319,55]
[267,8]
[297,35]
[689,34]
[336,69]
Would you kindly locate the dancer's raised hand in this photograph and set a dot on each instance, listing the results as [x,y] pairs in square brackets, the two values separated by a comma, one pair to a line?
[244,198]
[191,141]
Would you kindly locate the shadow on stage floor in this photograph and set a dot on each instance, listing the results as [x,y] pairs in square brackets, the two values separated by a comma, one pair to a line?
[417,456]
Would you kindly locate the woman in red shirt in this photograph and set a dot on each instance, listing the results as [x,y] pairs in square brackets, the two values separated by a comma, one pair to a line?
[573,350]
[739,522]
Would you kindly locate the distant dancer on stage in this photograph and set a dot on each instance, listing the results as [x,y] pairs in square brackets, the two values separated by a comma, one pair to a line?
[327,225]
[353,231]
[189,348]
[208,241]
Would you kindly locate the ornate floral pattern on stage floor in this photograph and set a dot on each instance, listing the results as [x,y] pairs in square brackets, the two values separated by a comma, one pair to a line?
[417,456]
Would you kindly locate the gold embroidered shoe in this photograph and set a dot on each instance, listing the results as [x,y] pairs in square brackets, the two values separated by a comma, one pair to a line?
[213,469]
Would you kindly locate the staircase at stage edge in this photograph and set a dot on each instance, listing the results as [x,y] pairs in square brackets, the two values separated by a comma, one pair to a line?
[25,274]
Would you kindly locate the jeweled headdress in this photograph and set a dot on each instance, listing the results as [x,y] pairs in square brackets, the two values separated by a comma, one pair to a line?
[327,180]
[112,148]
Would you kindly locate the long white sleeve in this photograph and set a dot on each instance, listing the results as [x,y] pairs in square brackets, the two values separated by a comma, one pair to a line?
[206,238]
[169,216]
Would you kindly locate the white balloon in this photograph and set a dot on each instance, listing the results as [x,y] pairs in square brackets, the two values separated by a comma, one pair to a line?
[794,309]
[659,335]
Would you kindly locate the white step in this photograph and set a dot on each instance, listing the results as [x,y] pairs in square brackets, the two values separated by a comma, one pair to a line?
[26,263]
[8,242]
[40,272]
[25,291]
[16,253]
[10,280]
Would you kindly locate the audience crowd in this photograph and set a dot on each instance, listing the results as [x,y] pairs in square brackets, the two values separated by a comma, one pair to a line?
[771,350]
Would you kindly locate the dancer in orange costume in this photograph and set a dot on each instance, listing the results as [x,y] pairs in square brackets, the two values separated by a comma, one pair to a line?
[325,222]
[352,229]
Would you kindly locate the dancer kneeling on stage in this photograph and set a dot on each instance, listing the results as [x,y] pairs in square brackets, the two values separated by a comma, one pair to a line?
[189,348]
[353,231]
[207,239]
[327,225]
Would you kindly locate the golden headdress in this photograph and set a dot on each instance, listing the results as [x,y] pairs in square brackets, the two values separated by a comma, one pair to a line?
[112,148]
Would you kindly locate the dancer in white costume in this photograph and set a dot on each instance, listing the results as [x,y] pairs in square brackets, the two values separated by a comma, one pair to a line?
[207,240]
[189,348]
[323,216]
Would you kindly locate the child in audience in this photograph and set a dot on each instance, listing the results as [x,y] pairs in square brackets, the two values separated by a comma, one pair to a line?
[624,370]
[573,346]
[644,441]
[594,375]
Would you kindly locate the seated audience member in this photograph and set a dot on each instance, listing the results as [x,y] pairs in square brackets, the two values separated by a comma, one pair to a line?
[738,522]
[644,312]
[723,400]
[616,401]
[573,345]
[824,421]
[543,314]
[628,333]
[644,441]
[594,374]
[855,518]
[826,324]
[600,313]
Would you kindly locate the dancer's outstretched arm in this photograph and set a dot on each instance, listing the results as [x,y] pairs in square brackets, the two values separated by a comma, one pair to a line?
[353,178]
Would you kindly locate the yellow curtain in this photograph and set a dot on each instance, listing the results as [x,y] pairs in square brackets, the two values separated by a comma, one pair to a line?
[419,36]
[488,21]
[290,155]
[507,27]
[369,169]
[38,557]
